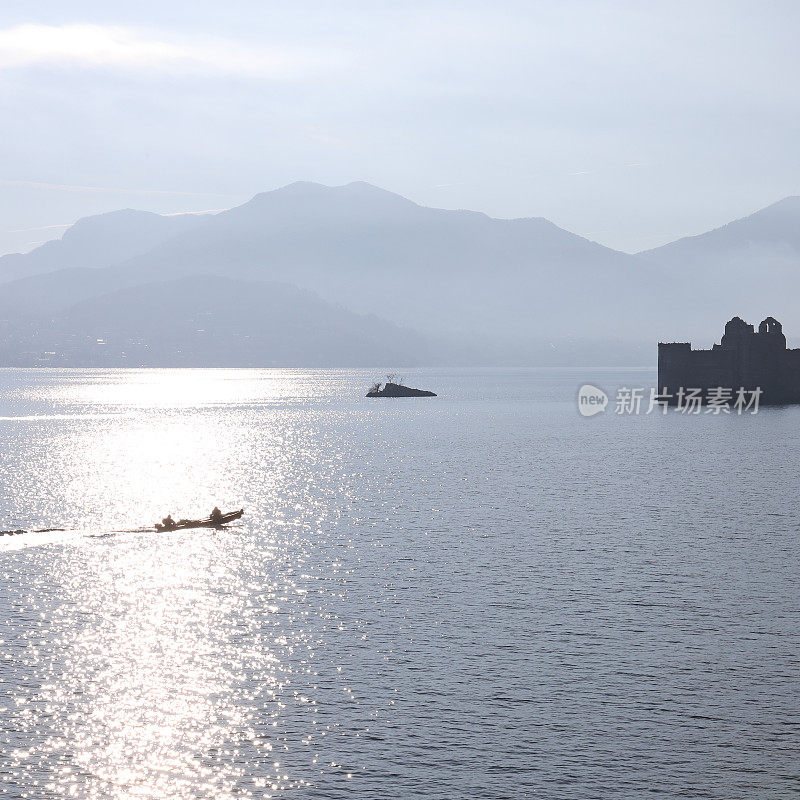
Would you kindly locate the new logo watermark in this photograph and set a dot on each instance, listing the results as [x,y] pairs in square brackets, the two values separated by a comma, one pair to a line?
[717,400]
[591,400]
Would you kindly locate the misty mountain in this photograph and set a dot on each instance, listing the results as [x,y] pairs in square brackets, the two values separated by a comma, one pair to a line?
[98,241]
[750,267]
[456,273]
[510,291]
[212,321]
[775,228]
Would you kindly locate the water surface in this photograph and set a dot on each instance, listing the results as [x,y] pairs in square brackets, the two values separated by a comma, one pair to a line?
[481,594]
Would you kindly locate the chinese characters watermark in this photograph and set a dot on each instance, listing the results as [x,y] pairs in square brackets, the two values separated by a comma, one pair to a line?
[716,400]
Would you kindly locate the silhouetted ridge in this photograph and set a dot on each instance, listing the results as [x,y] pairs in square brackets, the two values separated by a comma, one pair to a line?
[214,321]
[521,285]
[779,222]
[99,241]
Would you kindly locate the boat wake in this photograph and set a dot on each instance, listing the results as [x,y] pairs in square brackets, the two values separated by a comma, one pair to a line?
[214,524]
[36,530]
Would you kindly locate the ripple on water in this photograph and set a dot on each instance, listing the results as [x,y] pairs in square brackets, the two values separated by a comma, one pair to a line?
[487,595]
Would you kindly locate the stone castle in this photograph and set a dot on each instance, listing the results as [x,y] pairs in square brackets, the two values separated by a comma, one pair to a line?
[743,359]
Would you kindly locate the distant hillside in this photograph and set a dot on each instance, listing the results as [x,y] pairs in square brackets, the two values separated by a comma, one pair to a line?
[519,291]
[776,227]
[750,267]
[211,321]
[455,273]
[458,272]
[98,242]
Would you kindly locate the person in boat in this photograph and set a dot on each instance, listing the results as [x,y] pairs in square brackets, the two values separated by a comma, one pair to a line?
[216,516]
[168,522]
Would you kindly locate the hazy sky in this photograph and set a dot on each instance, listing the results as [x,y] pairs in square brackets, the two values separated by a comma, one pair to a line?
[632,123]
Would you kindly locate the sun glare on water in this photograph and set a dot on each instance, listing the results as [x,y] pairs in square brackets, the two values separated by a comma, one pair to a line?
[166,644]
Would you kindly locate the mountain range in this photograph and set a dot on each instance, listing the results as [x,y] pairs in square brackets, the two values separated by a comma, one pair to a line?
[310,275]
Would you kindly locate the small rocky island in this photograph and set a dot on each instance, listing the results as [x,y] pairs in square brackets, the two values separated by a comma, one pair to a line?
[394,388]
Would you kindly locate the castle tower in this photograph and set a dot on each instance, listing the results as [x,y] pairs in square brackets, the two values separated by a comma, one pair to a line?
[771,331]
[737,333]
[743,359]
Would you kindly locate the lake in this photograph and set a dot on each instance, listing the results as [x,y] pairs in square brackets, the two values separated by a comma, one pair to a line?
[482,594]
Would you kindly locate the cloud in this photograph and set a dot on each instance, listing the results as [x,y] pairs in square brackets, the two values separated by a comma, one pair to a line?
[40,228]
[163,214]
[98,46]
[65,187]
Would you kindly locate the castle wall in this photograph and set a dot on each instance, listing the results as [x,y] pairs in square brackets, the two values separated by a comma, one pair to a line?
[745,359]
[681,367]
[788,391]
